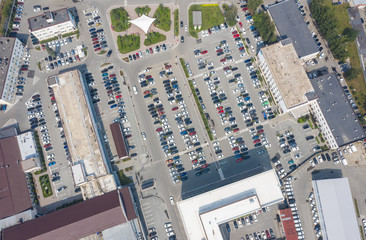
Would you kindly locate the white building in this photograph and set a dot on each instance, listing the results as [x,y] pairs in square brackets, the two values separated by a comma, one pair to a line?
[52,24]
[203,214]
[286,77]
[11,53]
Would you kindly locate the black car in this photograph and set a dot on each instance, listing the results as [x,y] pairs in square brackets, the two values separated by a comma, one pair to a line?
[181,23]
[109,53]
[182,39]
[309,138]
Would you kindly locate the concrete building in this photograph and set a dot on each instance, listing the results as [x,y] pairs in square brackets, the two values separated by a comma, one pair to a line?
[119,140]
[286,77]
[288,225]
[335,209]
[52,24]
[333,113]
[202,215]
[82,134]
[111,216]
[291,24]
[197,18]
[11,54]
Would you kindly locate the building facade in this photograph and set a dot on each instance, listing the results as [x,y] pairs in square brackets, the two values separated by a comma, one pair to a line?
[11,53]
[52,24]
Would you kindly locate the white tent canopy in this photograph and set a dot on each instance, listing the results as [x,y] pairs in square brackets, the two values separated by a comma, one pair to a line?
[144,22]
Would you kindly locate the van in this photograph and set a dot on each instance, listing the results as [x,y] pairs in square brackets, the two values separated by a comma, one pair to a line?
[135,90]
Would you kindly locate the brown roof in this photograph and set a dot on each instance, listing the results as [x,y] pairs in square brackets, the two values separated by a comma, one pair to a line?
[77,221]
[14,194]
[119,140]
[288,224]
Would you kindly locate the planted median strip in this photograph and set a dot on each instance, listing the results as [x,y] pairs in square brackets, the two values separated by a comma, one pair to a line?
[44,181]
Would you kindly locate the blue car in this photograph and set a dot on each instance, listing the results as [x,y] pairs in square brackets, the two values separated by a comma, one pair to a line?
[183,174]
[51,163]
[176,157]
[252,27]
[250,17]
[92,30]
[114,105]
[104,74]
[65,147]
[184,133]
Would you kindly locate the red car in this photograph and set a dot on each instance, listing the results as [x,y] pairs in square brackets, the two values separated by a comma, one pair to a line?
[146,92]
[239,159]
[240,24]
[219,108]
[194,161]
[235,148]
[137,55]
[128,136]
[204,166]
[268,236]
[241,48]
[221,111]
[43,48]
[168,66]
[52,98]
[47,145]
[161,113]
[192,133]
[203,52]
[95,42]
[226,68]
[118,96]
[24,69]
[236,36]
[257,141]
[159,129]
[235,32]
[94,39]
[77,58]
[236,129]
[112,75]
[245,9]
[219,50]
[148,77]
[17,19]
[97,49]
[20,3]
[174,108]
[110,91]
[223,60]
[260,131]
[151,51]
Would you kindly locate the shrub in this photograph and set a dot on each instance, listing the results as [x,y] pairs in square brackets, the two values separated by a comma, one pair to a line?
[119,19]
[128,43]
[153,38]
[162,15]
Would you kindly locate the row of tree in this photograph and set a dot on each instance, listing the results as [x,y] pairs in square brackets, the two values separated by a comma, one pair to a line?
[265,27]
[230,12]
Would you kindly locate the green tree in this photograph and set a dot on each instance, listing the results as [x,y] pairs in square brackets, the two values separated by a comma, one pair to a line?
[350,33]
[230,14]
[254,4]
[265,27]
[351,73]
[50,51]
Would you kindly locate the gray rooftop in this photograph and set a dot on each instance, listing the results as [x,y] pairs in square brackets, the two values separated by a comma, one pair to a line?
[290,24]
[197,17]
[48,19]
[336,210]
[6,49]
[337,111]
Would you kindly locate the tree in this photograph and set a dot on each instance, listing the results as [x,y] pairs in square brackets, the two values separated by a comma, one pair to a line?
[230,14]
[350,33]
[265,27]
[254,4]
[50,51]
[351,73]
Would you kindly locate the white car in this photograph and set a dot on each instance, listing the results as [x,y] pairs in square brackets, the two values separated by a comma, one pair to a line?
[171,200]
[143,135]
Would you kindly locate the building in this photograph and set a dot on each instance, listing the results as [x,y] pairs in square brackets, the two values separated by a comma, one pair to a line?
[203,214]
[288,224]
[333,113]
[82,133]
[11,54]
[119,140]
[197,18]
[286,77]
[112,214]
[290,24]
[18,156]
[335,209]
[52,24]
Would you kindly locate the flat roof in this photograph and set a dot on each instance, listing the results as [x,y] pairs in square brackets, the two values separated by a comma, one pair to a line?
[288,224]
[40,21]
[79,220]
[78,174]
[288,72]
[119,140]
[27,145]
[336,109]
[197,17]
[77,123]
[336,210]
[291,24]
[6,50]
[227,202]
[14,193]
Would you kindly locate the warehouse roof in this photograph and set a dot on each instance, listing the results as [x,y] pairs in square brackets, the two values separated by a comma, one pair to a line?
[79,220]
[119,140]
[202,214]
[290,24]
[336,210]
[6,51]
[336,109]
[48,19]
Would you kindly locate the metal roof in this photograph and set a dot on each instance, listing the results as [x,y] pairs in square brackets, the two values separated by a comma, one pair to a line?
[197,18]
[6,50]
[290,24]
[336,210]
[336,109]
[119,140]
[54,18]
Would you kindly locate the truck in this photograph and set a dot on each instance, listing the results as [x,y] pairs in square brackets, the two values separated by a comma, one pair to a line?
[353,148]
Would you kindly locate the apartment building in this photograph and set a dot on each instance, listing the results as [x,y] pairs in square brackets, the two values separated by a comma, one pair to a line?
[52,24]
[11,52]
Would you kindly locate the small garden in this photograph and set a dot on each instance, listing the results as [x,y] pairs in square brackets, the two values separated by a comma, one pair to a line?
[162,15]
[119,19]
[40,154]
[153,38]
[143,10]
[123,179]
[128,43]
[45,183]
[211,16]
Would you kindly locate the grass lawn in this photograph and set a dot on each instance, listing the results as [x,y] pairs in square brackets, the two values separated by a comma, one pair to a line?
[5,12]
[211,16]
[163,20]
[357,84]
[119,19]
[176,22]
[44,180]
[124,180]
[128,43]
[143,10]
[153,38]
